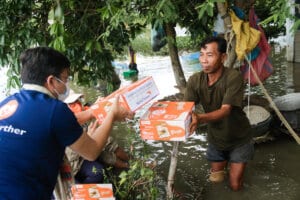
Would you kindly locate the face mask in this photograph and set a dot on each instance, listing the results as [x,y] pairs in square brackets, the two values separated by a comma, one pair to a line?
[64,95]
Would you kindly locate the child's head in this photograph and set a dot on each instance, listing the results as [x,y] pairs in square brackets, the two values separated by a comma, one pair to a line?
[74,101]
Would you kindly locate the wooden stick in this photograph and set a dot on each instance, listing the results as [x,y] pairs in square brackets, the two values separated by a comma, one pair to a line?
[172,170]
[281,117]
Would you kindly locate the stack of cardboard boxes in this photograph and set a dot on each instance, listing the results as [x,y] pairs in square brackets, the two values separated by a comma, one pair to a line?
[165,121]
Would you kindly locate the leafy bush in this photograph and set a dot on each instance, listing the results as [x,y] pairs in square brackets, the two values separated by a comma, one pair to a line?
[186,43]
[138,182]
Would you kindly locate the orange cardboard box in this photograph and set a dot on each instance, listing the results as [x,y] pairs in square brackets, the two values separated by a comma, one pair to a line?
[167,121]
[92,192]
[132,97]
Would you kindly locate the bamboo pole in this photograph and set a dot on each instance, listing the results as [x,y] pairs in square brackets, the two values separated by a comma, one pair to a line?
[172,170]
[281,117]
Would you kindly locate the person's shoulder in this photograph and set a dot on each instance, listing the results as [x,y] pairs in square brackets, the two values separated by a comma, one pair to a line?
[196,75]
[199,73]
[231,72]
[60,105]
[28,94]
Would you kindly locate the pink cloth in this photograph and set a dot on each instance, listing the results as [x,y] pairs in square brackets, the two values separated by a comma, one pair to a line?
[261,64]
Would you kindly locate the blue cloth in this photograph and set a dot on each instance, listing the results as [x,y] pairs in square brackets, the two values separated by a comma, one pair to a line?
[90,172]
[34,131]
[239,12]
[253,54]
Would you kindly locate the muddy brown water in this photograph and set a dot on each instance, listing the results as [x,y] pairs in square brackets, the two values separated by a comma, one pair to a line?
[272,174]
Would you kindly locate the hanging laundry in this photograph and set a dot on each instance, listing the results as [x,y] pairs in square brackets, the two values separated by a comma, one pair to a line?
[259,55]
[247,37]
[219,27]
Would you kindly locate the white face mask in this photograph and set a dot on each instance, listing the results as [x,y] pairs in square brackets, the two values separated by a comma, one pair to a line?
[64,95]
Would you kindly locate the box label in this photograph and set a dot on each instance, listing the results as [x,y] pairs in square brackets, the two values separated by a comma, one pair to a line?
[92,191]
[132,97]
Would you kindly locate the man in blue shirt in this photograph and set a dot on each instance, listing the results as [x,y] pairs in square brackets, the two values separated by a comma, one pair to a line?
[36,126]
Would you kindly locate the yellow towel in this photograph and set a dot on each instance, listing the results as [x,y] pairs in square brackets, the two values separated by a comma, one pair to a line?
[247,38]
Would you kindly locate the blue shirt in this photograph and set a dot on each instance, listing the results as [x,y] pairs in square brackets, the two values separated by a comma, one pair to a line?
[34,131]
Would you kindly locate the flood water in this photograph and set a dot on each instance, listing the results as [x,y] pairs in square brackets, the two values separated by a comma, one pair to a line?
[272,174]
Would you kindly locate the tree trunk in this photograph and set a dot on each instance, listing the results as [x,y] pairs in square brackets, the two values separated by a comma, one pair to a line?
[173,51]
[172,170]
[181,84]
[229,35]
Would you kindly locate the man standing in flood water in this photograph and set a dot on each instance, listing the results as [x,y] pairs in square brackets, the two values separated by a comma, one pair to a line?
[220,91]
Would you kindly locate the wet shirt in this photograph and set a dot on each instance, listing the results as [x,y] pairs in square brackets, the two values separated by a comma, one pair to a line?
[34,131]
[233,130]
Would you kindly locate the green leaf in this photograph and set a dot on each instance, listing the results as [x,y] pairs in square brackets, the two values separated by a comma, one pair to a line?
[142,172]
[53,29]
[58,12]
[58,44]
[51,17]
[60,30]
[202,11]
[98,47]
[210,11]
[122,181]
[2,40]
[88,45]
[123,174]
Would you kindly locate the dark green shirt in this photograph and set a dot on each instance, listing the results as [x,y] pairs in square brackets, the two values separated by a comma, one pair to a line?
[233,130]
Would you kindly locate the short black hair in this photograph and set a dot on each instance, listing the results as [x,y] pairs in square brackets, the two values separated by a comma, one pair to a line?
[40,62]
[222,44]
